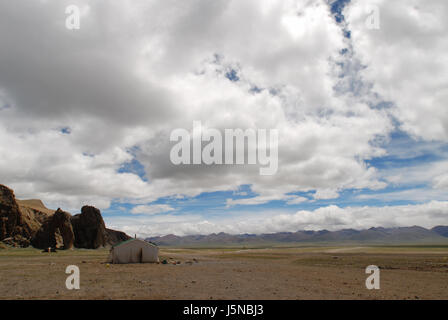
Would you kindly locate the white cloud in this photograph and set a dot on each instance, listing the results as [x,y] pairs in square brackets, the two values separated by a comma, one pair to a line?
[331,218]
[152,209]
[123,86]
[441,182]
[296,200]
[431,173]
[406,60]
[412,194]
[326,194]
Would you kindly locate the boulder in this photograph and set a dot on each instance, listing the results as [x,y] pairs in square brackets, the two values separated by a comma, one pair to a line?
[89,228]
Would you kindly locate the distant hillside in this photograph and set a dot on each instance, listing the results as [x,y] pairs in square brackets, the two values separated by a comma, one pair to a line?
[441,230]
[35,204]
[402,235]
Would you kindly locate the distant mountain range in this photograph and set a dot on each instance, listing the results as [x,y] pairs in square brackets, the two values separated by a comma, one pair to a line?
[401,235]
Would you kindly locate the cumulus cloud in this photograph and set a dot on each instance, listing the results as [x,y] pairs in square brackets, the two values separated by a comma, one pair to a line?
[77,107]
[405,60]
[118,86]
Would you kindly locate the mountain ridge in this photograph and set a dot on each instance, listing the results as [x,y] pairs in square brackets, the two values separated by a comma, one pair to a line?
[374,235]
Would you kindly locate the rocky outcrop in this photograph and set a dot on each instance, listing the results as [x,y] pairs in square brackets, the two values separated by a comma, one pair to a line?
[25,222]
[114,236]
[56,232]
[35,209]
[85,230]
[62,222]
[14,226]
[89,228]
[42,238]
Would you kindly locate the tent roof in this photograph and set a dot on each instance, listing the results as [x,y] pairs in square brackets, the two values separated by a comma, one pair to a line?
[131,240]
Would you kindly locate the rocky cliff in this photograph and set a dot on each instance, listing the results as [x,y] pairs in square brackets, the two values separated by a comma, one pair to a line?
[15,227]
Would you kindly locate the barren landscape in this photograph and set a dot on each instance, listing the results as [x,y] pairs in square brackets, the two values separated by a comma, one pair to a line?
[311,272]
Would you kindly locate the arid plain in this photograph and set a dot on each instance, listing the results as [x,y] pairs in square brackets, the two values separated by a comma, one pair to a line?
[311,272]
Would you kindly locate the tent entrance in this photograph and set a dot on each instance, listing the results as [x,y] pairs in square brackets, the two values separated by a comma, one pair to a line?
[140,255]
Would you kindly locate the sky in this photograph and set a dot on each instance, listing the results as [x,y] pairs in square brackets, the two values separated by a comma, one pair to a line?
[358,91]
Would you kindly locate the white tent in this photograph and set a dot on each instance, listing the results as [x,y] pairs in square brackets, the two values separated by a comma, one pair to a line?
[134,251]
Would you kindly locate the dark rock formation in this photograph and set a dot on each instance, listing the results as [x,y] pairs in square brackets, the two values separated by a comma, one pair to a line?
[62,222]
[13,224]
[42,239]
[85,230]
[56,232]
[3,227]
[89,228]
[25,222]
[114,236]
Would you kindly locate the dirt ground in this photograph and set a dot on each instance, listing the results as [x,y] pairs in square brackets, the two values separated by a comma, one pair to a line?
[279,273]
